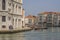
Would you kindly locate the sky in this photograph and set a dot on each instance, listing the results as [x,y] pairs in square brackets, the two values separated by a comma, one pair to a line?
[33,7]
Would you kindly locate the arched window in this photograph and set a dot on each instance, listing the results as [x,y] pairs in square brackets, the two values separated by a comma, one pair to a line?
[10,27]
[3,26]
[3,4]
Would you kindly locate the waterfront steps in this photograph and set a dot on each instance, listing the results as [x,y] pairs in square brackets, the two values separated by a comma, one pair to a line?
[15,31]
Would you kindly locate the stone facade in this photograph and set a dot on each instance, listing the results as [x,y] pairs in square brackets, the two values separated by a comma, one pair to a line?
[31,20]
[51,19]
[11,16]
[42,19]
[23,18]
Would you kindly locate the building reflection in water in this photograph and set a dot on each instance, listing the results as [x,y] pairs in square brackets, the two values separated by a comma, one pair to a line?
[18,36]
[42,34]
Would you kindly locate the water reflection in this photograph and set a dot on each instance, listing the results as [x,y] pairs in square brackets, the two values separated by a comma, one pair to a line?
[42,34]
[53,29]
[18,36]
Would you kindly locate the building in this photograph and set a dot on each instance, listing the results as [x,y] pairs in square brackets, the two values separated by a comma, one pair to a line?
[30,20]
[49,19]
[59,20]
[23,18]
[10,14]
[52,19]
[42,19]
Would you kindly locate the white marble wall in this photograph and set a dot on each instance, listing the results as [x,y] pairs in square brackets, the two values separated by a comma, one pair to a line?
[15,13]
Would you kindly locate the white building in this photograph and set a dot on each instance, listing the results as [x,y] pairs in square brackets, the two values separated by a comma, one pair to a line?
[26,21]
[10,14]
[23,19]
[53,19]
[42,19]
[31,20]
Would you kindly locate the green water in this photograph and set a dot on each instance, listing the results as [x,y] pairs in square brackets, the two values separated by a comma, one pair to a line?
[42,34]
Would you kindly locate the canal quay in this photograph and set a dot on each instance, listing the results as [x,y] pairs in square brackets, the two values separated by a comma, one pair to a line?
[42,34]
[16,25]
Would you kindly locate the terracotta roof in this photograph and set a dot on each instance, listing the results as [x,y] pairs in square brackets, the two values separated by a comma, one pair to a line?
[50,13]
[30,16]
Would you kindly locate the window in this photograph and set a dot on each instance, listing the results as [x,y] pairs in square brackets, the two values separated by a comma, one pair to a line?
[13,19]
[3,4]
[9,10]
[11,0]
[19,19]
[16,6]
[30,20]
[13,22]
[9,18]
[13,5]
[16,20]
[39,22]
[3,26]
[3,18]
[9,4]
[10,27]
[19,7]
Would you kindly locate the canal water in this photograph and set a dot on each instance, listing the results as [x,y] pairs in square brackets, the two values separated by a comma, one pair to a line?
[42,34]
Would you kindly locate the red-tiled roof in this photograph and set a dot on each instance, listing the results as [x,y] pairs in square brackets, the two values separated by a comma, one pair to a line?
[50,12]
[30,16]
